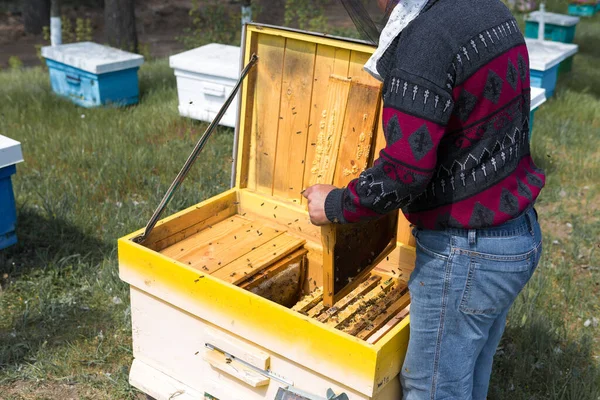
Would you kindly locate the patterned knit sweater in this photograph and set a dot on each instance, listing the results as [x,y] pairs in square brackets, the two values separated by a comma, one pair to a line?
[456,122]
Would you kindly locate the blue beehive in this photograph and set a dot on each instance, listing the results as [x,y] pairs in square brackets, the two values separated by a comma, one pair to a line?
[93,75]
[582,9]
[10,155]
[538,97]
[544,60]
[558,28]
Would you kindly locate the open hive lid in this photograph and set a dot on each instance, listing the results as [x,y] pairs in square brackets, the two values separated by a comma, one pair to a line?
[554,18]
[544,54]
[538,97]
[10,152]
[311,115]
[213,59]
[92,57]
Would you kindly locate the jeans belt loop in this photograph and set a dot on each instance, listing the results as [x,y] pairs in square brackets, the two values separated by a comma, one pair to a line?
[472,237]
[530,221]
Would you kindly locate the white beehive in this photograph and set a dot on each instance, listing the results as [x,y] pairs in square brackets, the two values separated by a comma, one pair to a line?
[554,18]
[538,97]
[205,78]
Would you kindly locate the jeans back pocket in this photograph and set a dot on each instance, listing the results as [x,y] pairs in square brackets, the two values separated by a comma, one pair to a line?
[493,285]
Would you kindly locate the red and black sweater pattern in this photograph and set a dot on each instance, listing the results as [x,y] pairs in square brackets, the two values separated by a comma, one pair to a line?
[457,156]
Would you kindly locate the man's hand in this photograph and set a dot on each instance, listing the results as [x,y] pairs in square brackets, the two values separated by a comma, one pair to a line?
[316,196]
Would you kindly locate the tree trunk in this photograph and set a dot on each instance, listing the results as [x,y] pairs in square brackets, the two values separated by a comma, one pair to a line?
[119,19]
[36,15]
[270,11]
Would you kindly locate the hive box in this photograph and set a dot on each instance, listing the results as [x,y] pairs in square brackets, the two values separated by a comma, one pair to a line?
[538,97]
[10,155]
[182,314]
[583,9]
[558,28]
[93,75]
[205,78]
[544,60]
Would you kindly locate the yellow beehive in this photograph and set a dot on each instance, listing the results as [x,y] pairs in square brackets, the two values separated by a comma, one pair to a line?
[198,327]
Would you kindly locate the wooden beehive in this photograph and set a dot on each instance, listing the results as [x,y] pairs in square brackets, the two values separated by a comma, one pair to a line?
[242,273]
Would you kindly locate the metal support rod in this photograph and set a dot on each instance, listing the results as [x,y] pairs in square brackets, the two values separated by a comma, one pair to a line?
[192,158]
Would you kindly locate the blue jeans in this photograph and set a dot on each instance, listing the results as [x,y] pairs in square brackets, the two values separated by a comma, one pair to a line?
[462,287]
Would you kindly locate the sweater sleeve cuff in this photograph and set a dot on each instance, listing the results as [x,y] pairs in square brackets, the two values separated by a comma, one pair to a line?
[334,209]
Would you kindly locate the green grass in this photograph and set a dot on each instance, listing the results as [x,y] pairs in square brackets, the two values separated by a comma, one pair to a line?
[89,177]
[64,314]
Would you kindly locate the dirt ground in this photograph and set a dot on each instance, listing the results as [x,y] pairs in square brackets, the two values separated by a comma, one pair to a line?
[159,23]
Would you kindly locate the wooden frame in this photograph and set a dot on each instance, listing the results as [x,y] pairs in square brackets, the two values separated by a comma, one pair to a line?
[362,246]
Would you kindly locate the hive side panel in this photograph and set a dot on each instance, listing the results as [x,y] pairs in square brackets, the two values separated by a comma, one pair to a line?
[294,117]
[324,67]
[271,52]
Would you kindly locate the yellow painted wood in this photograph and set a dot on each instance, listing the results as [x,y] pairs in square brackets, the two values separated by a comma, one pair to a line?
[324,67]
[380,142]
[326,350]
[342,62]
[318,39]
[356,71]
[258,259]
[271,51]
[297,256]
[294,119]
[392,350]
[237,243]
[211,234]
[399,264]
[180,225]
[405,235]
[330,134]
[357,133]
[278,212]
[314,271]
[246,146]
